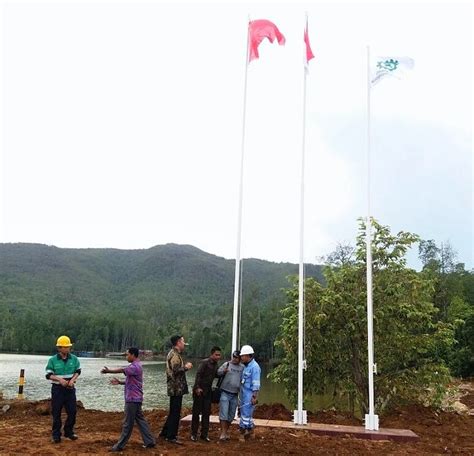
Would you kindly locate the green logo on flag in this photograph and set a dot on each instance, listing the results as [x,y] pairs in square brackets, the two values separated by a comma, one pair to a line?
[388,65]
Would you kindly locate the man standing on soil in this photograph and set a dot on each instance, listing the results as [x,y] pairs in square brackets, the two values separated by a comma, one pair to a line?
[230,386]
[62,370]
[133,400]
[248,391]
[202,390]
[177,387]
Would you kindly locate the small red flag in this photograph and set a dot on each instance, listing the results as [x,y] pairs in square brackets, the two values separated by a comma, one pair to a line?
[309,53]
[258,31]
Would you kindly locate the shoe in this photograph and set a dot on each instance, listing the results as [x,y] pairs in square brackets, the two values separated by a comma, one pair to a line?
[72,437]
[175,441]
[206,439]
[56,440]
[150,445]
[194,438]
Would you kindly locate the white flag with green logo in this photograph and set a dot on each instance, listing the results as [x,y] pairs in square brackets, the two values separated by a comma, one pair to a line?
[389,66]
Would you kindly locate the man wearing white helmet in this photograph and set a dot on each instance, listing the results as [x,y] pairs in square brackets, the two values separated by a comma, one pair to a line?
[248,390]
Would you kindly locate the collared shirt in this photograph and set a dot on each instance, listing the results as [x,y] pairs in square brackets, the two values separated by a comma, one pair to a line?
[133,382]
[205,374]
[64,368]
[251,376]
[176,374]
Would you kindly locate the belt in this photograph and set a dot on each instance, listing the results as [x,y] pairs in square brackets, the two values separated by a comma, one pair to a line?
[228,392]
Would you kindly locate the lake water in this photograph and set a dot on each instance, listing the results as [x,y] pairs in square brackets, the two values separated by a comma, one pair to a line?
[95,392]
[93,388]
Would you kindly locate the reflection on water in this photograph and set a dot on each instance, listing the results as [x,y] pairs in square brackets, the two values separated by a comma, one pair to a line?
[95,392]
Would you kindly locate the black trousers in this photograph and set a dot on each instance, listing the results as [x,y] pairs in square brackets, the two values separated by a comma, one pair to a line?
[63,397]
[170,428]
[201,406]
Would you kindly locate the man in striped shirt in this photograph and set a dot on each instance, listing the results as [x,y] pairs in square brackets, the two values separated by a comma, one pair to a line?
[62,370]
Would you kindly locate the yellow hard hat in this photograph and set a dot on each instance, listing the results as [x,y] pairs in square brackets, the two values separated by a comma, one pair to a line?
[63,341]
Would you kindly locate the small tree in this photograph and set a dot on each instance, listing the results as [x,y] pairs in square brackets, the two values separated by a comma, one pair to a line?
[408,345]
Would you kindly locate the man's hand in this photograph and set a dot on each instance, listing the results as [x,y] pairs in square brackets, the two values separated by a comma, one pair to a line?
[254,400]
[63,382]
[198,391]
[188,366]
[115,381]
[104,370]
[70,384]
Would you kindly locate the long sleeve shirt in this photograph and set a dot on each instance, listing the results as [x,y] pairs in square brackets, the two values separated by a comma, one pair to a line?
[176,374]
[251,377]
[205,374]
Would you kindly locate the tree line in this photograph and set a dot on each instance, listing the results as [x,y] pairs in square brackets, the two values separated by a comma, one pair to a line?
[107,299]
[423,324]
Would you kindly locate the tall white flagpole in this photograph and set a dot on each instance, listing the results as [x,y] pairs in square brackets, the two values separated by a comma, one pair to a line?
[235,324]
[300,415]
[371,420]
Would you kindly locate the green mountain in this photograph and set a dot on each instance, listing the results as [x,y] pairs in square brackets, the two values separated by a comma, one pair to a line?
[108,299]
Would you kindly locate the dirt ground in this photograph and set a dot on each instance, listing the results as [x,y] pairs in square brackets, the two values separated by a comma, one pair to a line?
[25,429]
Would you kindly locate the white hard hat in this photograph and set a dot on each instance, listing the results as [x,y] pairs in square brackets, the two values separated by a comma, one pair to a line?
[246,350]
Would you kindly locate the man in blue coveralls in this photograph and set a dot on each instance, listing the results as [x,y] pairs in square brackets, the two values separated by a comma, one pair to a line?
[248,391]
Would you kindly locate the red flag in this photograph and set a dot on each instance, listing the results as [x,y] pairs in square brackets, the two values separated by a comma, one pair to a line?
[258,31]
[309,53]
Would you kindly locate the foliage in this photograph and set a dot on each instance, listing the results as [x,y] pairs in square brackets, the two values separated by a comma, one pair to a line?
[107,299]
[409,341]
[453,295]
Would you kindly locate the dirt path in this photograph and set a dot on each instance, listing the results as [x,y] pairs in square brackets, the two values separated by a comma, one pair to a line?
[25,429]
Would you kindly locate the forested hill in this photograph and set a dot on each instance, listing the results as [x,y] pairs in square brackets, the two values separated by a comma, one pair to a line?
[108,299]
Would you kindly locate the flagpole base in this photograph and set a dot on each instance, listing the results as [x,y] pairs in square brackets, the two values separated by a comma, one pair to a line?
[300,417]
[371,422]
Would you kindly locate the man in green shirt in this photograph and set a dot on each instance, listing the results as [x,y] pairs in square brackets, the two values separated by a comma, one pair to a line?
[62,370]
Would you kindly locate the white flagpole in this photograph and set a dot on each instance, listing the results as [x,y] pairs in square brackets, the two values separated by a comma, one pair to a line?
[371,420]
[300,416]
[235,325]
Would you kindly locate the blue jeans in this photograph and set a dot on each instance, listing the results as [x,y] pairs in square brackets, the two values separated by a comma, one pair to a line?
[228,406]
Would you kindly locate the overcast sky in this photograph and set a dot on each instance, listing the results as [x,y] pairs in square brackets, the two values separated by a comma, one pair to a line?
[122,123]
